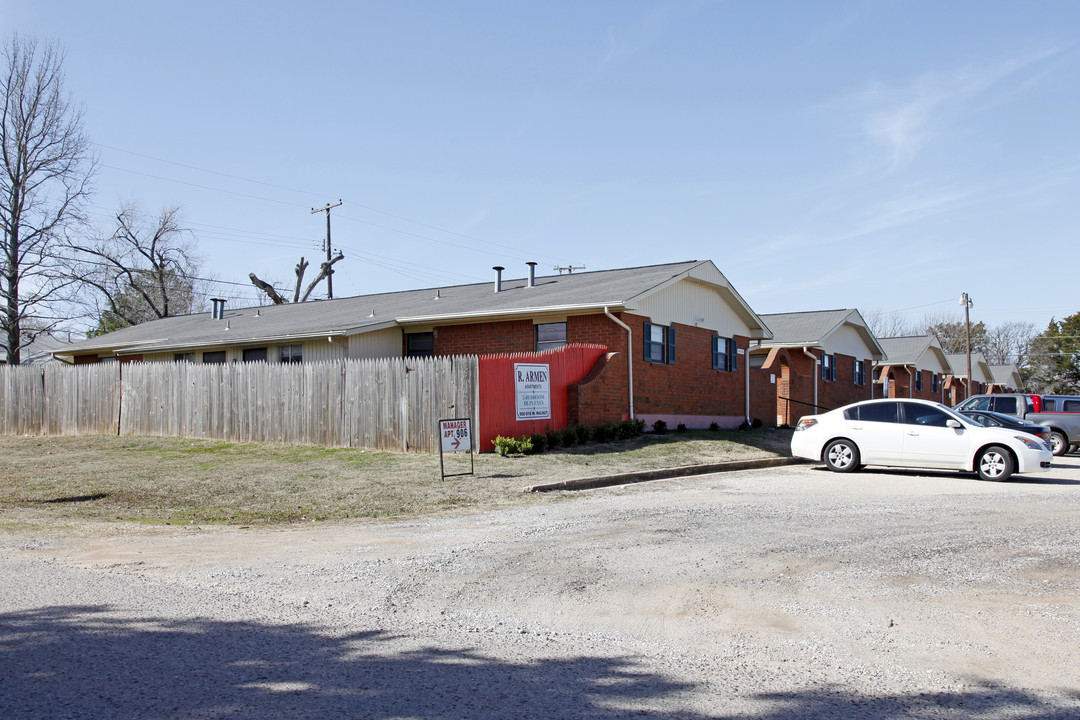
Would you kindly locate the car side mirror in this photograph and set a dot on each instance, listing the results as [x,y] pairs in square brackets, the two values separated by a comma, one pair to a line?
[955,424]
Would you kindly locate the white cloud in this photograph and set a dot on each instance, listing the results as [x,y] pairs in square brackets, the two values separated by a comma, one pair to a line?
[905,118]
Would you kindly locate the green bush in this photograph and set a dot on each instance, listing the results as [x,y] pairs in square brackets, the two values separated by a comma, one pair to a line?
[539,442]
[584,433]
[606,433]
[659,427]
[714,427]
[681,427]
[554,437]
[512,446]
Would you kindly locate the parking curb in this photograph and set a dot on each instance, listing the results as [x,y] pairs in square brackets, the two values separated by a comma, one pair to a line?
[662,474]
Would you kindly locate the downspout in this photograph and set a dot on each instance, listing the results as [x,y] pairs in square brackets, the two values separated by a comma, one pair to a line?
[629,355]
[817,374]
[746,368]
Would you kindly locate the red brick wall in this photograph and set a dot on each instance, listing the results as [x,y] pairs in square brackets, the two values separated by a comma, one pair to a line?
[900,385]
[602,395]
[688,387]
[799,389]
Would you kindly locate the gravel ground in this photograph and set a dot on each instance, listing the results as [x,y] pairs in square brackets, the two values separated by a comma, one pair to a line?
[783,593]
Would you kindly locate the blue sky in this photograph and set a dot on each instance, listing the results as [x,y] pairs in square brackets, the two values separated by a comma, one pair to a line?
[878,155]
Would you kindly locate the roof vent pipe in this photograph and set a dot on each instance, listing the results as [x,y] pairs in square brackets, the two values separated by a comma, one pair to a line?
[498,277]
[218,308]
[532,273]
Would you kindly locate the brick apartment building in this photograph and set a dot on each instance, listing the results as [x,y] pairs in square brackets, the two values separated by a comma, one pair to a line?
[677,335]
[815,361]
[915,367]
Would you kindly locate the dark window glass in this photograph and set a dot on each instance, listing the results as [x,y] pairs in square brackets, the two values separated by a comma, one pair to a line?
[879,412]
[725,354]
[933,382]
[915,414]
[982,403]
[255,354]
[918,380]
[550,336]
[860,372]
[1005,405]
[659,343]
[291,353]
[184,357]
[420,344]
[828,367]
[217,357]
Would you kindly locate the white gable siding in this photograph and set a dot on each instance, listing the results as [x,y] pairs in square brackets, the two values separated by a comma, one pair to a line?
[847,341]
[692,303]
[377,344]
[932,362]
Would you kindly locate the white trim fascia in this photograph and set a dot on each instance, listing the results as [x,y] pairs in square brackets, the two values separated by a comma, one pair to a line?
[221,342]
[517,312]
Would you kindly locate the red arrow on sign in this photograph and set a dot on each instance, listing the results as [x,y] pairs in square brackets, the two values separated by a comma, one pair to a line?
[457,443]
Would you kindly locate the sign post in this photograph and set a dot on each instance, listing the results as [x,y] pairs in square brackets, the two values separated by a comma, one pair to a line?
[455,435]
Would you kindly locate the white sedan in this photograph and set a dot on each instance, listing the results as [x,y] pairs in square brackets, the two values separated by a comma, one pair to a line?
[915,433]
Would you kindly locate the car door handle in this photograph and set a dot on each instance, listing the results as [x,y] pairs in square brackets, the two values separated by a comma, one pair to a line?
[913,433]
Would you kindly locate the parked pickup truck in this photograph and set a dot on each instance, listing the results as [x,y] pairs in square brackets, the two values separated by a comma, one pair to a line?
[1064,426]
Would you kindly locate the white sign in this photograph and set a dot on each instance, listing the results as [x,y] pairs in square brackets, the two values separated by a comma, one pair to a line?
[455,435]
[532,390]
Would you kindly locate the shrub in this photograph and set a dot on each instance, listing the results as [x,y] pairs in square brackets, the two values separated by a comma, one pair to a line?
[502,445]
[714,427]
[569,437]
[584,433]
[659,427]
[554,437]
[605,433]
[681,427]
[539,442]
[512,446]
[755,424]
[744,425]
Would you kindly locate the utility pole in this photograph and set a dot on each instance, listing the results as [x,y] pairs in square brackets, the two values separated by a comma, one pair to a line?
[329,272]
[967,303]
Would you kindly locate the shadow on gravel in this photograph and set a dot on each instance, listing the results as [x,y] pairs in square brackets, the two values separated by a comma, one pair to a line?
[78,662]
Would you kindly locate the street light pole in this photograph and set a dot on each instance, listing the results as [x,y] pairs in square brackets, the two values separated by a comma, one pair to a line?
[967,303]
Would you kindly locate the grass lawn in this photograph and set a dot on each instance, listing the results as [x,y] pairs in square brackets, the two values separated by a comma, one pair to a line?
[61,482]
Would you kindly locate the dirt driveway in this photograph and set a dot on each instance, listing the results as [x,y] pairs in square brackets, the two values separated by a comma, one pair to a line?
[781,593]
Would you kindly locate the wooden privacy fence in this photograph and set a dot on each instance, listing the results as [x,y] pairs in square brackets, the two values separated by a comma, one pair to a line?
[385,404]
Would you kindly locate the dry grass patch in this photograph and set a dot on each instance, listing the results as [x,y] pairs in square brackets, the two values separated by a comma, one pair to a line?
[58,482]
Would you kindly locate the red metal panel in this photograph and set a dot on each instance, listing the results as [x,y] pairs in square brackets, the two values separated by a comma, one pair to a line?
[498,410]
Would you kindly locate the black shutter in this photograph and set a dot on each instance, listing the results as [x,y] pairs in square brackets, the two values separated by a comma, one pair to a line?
[648,341]
[733,355]
[671,344]
[715,352]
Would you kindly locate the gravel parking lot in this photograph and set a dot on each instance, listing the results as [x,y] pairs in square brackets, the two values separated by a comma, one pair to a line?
[781,593]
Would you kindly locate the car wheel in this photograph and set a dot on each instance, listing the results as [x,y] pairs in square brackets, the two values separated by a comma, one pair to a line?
[994,463]
[841,456]
[1059,445]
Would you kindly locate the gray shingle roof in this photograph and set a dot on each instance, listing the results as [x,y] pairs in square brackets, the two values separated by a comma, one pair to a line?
[578,291]
[813,327]
[803,328]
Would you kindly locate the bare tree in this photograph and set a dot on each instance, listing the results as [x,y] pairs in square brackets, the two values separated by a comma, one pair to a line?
[890,324]
[1009,342]
[326,269]
[145,270]
[45,172]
